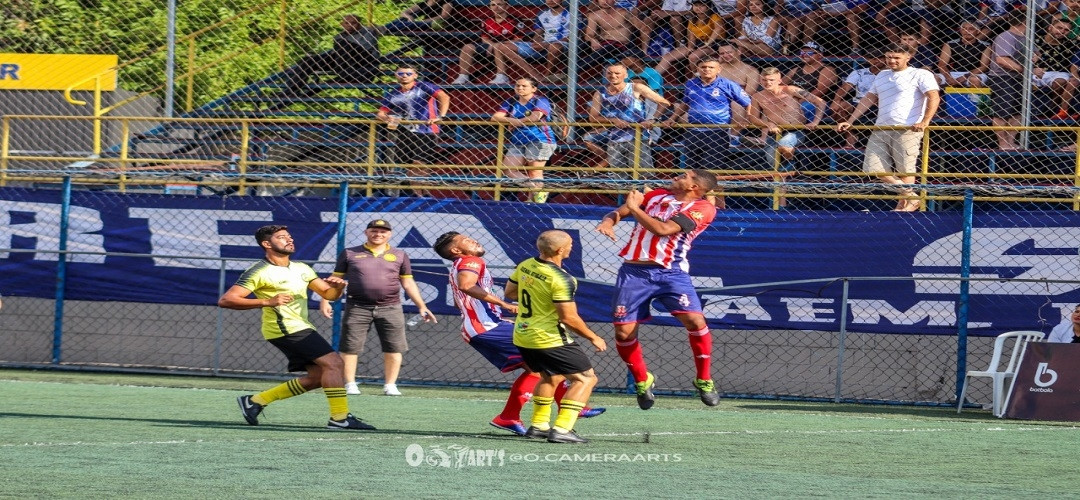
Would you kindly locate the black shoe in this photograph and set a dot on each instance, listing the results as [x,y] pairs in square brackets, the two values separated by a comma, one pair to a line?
[706,390]
[249,409]
[565,437]
[645,396]
[533,432]
[350,423]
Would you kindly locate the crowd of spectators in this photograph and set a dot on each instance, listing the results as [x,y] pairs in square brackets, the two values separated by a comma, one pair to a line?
[712,68]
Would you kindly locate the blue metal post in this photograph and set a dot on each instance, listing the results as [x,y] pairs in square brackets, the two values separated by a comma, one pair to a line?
[343,209]
[962,309]
[61,272]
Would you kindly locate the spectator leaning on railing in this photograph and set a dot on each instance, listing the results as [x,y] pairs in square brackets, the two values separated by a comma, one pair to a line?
[707,100]
[414,100]
[621,105]
[530,140]
[859,81]
[732,67]
[906,97]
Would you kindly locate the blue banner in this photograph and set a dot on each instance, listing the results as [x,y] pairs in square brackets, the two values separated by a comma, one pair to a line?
[187,238]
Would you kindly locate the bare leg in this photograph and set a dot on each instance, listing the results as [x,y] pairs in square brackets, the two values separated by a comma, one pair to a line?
[349,362]
[391,367]
[468,53]
[554,55]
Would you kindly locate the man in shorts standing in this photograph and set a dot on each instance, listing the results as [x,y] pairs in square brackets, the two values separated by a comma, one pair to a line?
[655,267]
[546,310]
[415,100]
[905,97]
[484,328]
[280,288]
[376,274]
[1006,79]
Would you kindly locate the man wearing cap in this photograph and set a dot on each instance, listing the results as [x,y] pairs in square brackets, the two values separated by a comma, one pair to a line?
[814,75]
[376,274]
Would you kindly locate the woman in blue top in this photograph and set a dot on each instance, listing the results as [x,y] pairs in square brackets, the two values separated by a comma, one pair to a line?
[527,143]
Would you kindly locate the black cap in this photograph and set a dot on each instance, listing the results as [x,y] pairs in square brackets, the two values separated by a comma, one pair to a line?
[379,224]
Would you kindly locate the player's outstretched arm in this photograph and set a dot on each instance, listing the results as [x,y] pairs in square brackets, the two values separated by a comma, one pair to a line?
[569,317]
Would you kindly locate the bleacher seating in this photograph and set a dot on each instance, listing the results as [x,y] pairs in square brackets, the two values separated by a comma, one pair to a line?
[435,53]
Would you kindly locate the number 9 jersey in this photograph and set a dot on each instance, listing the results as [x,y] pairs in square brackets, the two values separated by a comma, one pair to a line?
[541,284]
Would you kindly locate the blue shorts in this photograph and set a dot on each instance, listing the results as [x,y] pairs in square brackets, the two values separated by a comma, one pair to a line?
[526,50]
[637,285]
[497,346]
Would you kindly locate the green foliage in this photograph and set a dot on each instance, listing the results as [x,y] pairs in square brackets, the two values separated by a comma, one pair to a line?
[135,30]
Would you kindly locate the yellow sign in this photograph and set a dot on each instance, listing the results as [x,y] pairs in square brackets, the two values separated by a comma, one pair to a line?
[56,71]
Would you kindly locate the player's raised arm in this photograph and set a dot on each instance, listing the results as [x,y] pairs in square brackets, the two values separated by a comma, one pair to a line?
[651,224]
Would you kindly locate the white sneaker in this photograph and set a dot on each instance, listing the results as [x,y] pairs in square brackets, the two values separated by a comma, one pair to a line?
[351,389]
[500,79]
[461,79]
[391,390]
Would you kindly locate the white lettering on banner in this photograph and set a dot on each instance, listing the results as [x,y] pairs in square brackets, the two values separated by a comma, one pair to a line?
[43,227]
[720,306]
[195,233]
[1021,253]
[875,311]
[809,310]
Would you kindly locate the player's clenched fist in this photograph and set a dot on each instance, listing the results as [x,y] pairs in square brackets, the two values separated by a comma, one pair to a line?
[280,299]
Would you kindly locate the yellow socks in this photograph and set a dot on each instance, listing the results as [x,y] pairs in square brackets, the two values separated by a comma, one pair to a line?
[283,391]
[339,404]
[568,414]
[541,418]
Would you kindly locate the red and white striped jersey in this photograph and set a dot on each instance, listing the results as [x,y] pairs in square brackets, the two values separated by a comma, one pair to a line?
[477,316]
[668,251]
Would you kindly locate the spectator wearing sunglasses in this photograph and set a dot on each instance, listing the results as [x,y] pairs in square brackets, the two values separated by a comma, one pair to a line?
[813,75]
[422,105]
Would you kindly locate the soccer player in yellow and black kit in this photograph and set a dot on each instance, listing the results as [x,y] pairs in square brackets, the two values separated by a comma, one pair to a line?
[545,292]
[280,288]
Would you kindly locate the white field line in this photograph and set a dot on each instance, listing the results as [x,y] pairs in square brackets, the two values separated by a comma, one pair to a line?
[389,436]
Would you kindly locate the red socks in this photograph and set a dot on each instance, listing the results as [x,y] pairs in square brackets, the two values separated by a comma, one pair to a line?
[630,352]
[520,393]
[701,346]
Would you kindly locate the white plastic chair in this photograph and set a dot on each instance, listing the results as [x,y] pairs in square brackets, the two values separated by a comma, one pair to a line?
[998,375]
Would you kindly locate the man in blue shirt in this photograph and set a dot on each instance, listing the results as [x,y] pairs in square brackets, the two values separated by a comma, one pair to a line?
[707,100]
[417,101]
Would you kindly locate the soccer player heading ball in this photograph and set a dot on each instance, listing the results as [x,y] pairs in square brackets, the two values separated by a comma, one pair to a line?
[655,267]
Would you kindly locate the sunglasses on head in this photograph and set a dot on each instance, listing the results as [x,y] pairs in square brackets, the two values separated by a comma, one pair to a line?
[405,73]
[807,53]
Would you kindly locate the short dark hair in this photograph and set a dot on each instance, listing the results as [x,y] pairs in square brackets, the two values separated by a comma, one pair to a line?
[266,232]
[442,244]
[708,59]
[705,179]
[407,66]
[899,48]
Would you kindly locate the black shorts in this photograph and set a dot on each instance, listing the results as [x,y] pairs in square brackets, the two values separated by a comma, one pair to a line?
[410,147]
[562,360]
[302,348]
[1005,94]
